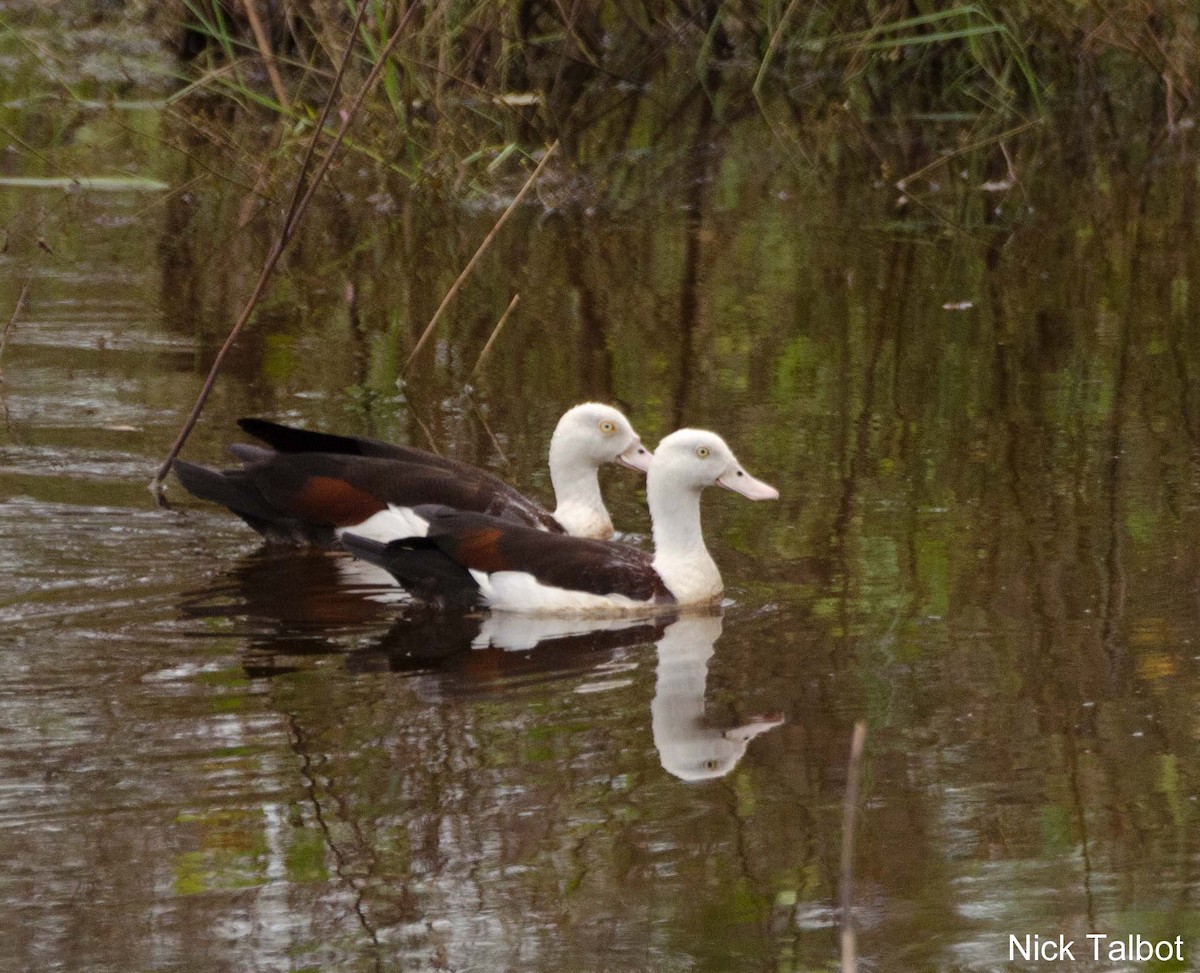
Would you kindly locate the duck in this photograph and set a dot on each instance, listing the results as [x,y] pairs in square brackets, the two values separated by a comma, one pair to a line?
[307,488]
[472,560]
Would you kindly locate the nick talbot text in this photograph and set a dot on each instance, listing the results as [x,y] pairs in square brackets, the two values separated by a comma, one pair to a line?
[1095,947]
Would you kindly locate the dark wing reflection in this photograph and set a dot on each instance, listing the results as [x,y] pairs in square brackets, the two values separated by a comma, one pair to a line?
[293,603]
[688,746]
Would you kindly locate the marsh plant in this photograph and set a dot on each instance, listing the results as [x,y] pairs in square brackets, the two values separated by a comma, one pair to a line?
[900,84]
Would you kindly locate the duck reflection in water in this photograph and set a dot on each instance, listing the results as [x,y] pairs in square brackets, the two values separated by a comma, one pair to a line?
[462,656]
[291,606]
[689,746]
[457,656]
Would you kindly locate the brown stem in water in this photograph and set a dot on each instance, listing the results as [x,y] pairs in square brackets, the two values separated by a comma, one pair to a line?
[12,322]
[295,212]
[850,803]
[487,241]
[516,298]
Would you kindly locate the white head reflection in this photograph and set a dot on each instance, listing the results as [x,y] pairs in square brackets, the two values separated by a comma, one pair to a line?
[688,746]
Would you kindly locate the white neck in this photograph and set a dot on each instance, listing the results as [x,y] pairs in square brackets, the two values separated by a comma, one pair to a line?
[680,557]
[576,480]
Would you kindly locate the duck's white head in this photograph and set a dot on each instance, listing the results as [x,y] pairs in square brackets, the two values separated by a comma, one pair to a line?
[593,434]
[692,459]
[587,437]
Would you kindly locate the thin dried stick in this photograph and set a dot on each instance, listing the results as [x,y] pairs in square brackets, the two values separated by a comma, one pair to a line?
[849,805]
[12,322]
[903,184]
[516,298]
[487,241]
[296,209]
[349,114]
[264,49]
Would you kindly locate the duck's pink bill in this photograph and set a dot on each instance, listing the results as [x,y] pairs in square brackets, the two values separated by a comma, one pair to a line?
[739,481]
[636,457]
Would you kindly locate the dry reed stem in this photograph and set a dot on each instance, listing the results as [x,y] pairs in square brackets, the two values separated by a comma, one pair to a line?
[12,322]
[264,50]
[487,241]
[296,209]
[849,806]
[516,299]
[903,184]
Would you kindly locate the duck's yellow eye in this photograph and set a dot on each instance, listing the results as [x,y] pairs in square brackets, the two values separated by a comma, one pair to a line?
[607,426]
[702,452]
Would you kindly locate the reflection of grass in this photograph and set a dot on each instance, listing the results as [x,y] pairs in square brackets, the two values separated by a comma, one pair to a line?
[231,856]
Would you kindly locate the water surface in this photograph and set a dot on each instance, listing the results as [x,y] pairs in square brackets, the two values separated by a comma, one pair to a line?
[982,422]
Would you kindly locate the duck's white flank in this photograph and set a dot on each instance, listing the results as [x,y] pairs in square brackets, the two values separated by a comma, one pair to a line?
[518,591]
[389,525]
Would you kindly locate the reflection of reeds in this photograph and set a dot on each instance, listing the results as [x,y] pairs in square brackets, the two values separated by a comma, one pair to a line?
[849,813]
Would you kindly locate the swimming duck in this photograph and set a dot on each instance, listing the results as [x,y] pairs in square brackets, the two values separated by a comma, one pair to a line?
[309,486]
[470,559]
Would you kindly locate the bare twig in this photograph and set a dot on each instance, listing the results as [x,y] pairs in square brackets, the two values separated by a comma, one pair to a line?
[49,163]
[264,49]
[454,288]
[849,805]
[516,298]
[295,212]
[349,114]
[12,322]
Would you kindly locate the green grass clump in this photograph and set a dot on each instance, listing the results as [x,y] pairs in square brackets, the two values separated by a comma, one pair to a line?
[905,82]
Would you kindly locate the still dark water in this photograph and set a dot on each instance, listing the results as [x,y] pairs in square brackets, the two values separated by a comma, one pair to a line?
[979,409]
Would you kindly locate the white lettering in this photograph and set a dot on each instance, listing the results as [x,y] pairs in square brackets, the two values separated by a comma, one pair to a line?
[1134,947]
[1014,943]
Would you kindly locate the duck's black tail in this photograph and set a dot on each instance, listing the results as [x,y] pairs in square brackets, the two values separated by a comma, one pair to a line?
[421,567]
[289,439]
[236,490]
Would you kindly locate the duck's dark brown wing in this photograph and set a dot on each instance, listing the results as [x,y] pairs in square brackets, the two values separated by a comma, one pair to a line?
[502,499]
